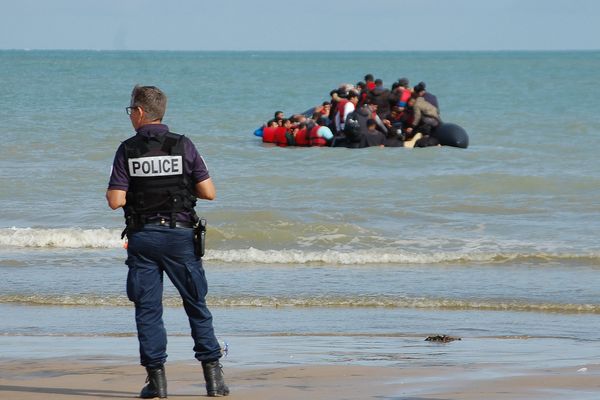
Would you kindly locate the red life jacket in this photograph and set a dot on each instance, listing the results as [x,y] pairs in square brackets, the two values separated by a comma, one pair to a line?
[279,138]
[315,139]
[302,138]
[405,95]
[370,85]
[364,95]
[340,109]
[268,135]
[275,135]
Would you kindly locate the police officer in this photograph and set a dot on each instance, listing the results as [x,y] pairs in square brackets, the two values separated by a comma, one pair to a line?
[156,177]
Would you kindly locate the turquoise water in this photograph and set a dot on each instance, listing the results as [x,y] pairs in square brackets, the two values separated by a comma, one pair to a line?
[498,240]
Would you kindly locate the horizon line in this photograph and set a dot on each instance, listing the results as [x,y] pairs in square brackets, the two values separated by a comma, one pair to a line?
[306,50]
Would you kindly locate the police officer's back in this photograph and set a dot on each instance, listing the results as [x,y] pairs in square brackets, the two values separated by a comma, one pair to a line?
[157,176]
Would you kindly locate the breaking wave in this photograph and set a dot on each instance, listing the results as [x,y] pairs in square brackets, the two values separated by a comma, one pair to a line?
[75,238]
[101,238]
[314,302]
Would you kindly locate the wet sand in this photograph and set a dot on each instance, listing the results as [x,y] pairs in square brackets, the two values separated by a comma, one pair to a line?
[98,378]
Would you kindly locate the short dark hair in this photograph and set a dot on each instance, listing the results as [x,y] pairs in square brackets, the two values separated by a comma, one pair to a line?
[378,82]
[277,112]
[368,77]
[150,99]
[403,82]
[419,88]
[371,122]
[322,121]
[342,93]
[352,94]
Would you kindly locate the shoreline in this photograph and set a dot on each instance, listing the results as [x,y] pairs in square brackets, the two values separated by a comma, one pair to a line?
[107,378]
[317,368]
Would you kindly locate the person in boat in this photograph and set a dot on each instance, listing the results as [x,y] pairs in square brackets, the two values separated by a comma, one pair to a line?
[380,96]
[357,131]
[278,116]
[363,93]
[299,119]
[394,138]
[337,96]
[421,89]
[394,120]
[369,82]
[277,120]
[426,117]
[372,107]
[287,124]
[406,121]
[313,133]
[402,93]
[322,112]
[344,107]
[396,117]
[373,137]
[334,99]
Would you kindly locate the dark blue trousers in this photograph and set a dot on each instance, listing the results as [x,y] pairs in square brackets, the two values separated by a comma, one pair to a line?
[152,251]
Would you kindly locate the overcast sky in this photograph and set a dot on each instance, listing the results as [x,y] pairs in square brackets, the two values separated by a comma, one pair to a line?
[300,25]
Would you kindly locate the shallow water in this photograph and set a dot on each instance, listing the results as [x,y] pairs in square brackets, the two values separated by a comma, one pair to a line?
[499,240]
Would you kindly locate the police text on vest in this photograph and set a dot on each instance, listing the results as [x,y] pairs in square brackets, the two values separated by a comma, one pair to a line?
[155,166]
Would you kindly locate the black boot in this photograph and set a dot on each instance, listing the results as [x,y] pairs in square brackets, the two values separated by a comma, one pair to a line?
[213,375]
[156,384]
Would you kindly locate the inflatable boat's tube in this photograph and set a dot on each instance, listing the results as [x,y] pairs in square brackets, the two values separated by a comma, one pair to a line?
[452,135]
[448,134]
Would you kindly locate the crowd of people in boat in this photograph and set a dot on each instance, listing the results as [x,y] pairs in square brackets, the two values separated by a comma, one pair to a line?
[362,115]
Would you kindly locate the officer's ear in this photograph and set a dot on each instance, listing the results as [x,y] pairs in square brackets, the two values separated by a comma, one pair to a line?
[139,118]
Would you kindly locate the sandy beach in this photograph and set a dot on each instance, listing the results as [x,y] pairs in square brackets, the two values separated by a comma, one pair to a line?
[108,379]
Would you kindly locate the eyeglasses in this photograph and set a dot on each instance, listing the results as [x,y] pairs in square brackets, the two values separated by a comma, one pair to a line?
[129,110]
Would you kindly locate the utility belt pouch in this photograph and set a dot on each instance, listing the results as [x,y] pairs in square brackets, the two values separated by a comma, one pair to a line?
[199,237]
[130,225]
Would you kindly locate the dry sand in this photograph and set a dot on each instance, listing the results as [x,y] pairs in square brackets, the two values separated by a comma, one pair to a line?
[101,379]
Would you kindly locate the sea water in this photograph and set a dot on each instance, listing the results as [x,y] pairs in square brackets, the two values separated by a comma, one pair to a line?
[343,253]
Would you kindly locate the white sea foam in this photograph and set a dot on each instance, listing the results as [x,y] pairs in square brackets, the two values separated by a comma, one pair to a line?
[316,302]
[102,238]
[60,238]
[372,256]
[388,256]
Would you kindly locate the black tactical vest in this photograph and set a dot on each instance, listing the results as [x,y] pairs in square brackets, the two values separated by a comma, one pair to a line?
[159,182]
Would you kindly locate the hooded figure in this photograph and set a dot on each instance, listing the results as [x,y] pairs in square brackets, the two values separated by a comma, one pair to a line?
[381,97]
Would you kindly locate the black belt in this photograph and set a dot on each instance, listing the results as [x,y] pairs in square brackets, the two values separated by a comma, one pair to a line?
[166,222]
